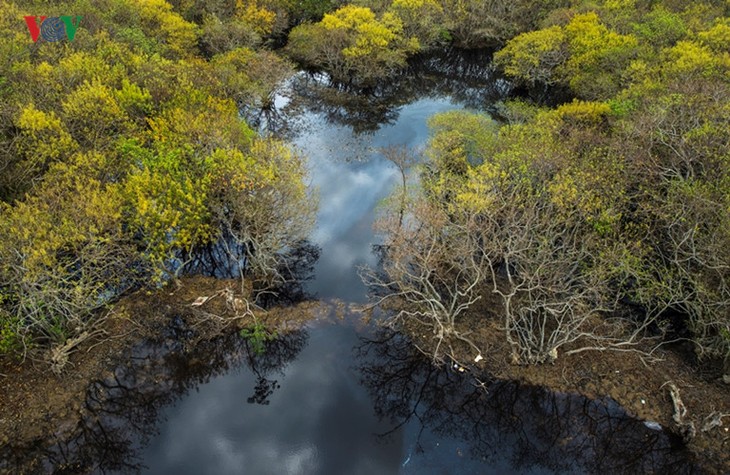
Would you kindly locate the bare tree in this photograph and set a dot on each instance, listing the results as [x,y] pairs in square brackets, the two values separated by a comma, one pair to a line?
[556,288]
[404,160]
[432,272]
[558,281]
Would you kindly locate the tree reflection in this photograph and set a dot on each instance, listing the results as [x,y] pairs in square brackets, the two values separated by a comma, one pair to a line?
[532,427]
[121,412]
[296,269]
[277,355]
[225,259]
[468,77]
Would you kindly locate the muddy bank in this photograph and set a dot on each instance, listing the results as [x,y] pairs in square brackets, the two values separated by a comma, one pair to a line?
[104,405]
[532,427]
[639,385]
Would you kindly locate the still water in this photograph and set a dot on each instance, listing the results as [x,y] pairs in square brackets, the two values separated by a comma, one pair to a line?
[353,177]
[340,396]
[319,418]
[347,398]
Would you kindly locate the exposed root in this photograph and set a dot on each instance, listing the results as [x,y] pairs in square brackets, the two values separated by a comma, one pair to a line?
[60,354]
[712,421]
[686,427]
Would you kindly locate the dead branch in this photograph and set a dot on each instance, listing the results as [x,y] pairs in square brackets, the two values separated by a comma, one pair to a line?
[60,354]
[713,420]
[238,309]
[686,427]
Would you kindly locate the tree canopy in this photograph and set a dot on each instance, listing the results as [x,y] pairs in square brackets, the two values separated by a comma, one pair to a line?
[124,153]
[599,222]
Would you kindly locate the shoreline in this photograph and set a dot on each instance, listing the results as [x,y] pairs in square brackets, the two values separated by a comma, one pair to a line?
[54,407]
[641,388]
[42,410]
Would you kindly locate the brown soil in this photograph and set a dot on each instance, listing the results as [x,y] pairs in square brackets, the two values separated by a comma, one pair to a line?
[639,385]
[38,406]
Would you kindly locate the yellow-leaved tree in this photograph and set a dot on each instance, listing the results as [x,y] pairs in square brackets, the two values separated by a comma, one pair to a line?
[353,44]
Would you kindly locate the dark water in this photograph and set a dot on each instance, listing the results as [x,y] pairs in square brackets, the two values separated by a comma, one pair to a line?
[353,177]
[355,400]
[318,417]
[309,416]
[339,397]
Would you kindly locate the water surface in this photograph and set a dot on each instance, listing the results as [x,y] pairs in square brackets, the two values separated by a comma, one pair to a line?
[318,417]
[356,400]
[340,396]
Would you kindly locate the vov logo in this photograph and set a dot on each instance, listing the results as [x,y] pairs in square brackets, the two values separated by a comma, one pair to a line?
[51,29]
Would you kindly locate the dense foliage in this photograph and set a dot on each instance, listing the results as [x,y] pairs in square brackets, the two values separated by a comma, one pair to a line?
[124,154]
[368,40]
[594,224]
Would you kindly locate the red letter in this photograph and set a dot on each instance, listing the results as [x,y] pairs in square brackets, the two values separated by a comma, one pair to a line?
[34,26]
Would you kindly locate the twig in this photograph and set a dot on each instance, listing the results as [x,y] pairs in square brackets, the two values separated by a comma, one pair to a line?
[687,428]
[713,420]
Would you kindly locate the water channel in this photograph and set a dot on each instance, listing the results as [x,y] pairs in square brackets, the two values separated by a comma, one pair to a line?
[355,400]
[340,396]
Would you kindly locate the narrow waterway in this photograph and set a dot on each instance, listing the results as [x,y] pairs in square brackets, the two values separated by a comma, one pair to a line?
[318,416]
[341,396]
[351,399]
[353,178]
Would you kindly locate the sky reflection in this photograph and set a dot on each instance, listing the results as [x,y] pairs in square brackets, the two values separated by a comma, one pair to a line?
[352,179]
[320,420]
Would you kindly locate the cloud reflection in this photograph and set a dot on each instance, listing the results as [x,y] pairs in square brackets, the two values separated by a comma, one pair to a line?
[319,421]
[352,179]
